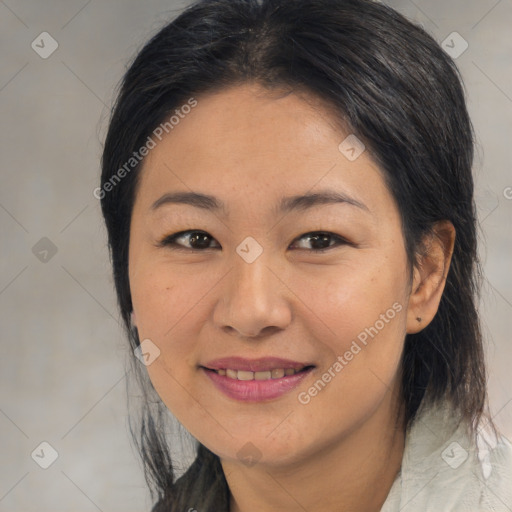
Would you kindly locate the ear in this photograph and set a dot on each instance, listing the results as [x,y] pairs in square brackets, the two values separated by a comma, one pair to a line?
[429,276]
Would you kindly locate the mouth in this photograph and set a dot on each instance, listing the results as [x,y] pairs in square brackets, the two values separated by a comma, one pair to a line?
[258,380]
[274,373]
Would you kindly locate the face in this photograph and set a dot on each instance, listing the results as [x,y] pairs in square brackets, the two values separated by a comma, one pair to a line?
[322,284]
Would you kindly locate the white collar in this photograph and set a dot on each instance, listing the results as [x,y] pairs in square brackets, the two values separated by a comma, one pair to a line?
[444,470]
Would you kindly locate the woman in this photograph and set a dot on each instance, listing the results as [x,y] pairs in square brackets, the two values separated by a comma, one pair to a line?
[288,195]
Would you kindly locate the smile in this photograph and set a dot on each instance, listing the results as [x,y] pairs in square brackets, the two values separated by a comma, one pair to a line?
[276,373]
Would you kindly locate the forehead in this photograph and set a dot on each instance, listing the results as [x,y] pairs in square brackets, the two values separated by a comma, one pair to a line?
[253,122]
[248,142]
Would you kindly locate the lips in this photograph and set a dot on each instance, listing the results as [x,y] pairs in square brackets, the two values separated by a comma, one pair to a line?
[256,380]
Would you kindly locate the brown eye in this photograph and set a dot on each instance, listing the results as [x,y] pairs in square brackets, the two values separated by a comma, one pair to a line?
[196,240]
[321,241]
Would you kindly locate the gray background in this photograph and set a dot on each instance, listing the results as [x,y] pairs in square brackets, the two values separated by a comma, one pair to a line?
[62,369]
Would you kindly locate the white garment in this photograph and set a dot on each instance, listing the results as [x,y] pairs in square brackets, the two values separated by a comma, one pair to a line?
[443,471]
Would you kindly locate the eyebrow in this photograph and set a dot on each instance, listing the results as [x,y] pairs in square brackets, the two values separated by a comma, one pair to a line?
[287,204]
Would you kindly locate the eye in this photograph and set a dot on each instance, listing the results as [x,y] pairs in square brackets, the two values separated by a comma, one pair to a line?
[320,240]
[199,240]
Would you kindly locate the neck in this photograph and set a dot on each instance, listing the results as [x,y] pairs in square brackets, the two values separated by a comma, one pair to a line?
[354,473]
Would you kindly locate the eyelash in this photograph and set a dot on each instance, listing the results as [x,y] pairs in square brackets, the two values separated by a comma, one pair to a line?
[170,240]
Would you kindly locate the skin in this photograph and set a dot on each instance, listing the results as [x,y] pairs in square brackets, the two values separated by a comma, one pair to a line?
[249,148]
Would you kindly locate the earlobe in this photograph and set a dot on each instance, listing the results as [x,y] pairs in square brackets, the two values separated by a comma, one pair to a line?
[429,276]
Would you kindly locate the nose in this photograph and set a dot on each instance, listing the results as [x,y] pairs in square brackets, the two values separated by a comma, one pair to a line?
[254,301]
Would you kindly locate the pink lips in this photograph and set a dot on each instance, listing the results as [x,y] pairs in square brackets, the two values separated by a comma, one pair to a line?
[255,390]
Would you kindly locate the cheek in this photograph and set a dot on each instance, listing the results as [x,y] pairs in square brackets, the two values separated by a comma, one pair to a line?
[352,299]
[362,311]
[168,310]
[167,306]
[161,297]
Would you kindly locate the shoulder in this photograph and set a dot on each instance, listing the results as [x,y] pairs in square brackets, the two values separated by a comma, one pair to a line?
[444,468]
[495,470]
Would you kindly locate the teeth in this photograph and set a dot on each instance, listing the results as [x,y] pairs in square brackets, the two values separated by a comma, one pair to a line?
[276,373]
[243,375]
[262,375]
[232,374]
